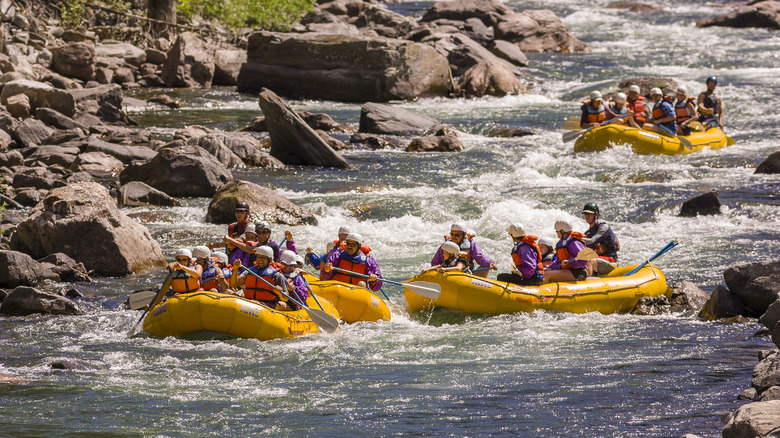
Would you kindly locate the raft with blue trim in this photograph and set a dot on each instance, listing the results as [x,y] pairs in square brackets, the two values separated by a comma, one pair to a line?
[229,314]
[354,303]
[648,142]
[611,293]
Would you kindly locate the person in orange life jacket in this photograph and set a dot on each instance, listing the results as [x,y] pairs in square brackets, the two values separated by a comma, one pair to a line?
[685,111]
[212,277]
[663,114]
[352,259]
[186,275]
[453,260]
[469,249]
[547,246]
[526,257]
[593,111]
[315,260]
[566,268]
[710,106]
[636,106]
[256,289]
[236,229]
[297,284]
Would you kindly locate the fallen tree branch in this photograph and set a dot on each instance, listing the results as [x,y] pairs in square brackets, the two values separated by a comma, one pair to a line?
[153,20]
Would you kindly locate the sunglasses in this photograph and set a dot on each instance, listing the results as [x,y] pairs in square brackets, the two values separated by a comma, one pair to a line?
[264,232]
[353,244]
[182,259]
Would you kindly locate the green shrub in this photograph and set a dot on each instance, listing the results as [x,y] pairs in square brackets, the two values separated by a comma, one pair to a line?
[73,14]
[263,14]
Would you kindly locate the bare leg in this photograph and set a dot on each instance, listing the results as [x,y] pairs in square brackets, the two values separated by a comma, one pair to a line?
[483,273]
[557,275]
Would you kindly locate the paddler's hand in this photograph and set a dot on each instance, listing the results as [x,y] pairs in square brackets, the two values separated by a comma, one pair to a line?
[493,267]
[328,267]
[236,264]
[372,277]
[309,250]
[288,236]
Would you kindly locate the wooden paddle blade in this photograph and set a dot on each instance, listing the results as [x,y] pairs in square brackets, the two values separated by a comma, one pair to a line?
[730,141]
[424,289]
[586,254]
[570,125]
[142,298]
[324,321]
[571,135]
[686,143]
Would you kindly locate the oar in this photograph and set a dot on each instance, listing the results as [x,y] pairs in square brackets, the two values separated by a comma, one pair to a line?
[428,291]
[140,299]
[322,319]
[661,252]
[683,141]
[571,135]
[157,299]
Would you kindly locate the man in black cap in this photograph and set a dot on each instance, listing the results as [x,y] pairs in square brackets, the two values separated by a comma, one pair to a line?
[600,237]
[235,230]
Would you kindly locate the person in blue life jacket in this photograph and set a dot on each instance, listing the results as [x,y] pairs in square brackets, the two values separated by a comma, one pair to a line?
[710,106]
[453,260]
[212,278]
[354,260]
[566,268]
[221,261]
[316,261]
[601,239]
[296,281]
[547,246]
[526,258]
[685,110]
[257,289]
[616,108]
[664,117]
[593,111]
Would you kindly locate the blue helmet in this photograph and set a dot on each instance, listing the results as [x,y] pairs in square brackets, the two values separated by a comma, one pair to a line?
[712,79]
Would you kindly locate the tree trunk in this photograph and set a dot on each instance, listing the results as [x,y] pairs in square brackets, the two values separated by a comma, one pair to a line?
[163,10]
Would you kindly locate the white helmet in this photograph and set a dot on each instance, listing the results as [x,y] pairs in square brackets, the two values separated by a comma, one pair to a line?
[250,228]
[516,230]
[262,225]
[635,88]
[344,230]
[450,248]
[561,225]
[471,232]
[596,95]
[288,258]
[330,246]
[355,237]
[458,227]
[682,89]
[221,256]
[266,251]
[546,241]
[201,252]
[655,91]
[620,98]
[183,252]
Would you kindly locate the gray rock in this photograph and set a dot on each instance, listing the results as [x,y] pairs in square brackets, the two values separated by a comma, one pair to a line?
[537,30]
[292,140]
[123,75]
[687,298]
[189,63]
[51,154]
[40,95]
[56,119]
[489,12]
[656,305]
[75,60]
[722,304]
[771,317]
[24,301]
[67,268]
[62,136]
[436,143]
[20,269]
[104,75]
[28,197]
[756,284]
[182,171]
[137,193]
[31,133]
[96,162]
[748,394]
[766,374]
[705,204]
[263,202]
[82,221]
[156,57]
[374,142]
[18,106]
[490,78]
[509,52]
[5,141]
[377,118]
[634,7]
[753,420]
[216,146]
[227,64]
[646,83]
[124,51]
[773,393]
[343,68]
[764,14]
[771,164]
[124,153]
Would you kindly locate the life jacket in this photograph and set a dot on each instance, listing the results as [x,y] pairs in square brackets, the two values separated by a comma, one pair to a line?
[454,262]
[711,101]
[618,112]
[529,241]
[182,282]
[235,230]
[342,246]
[208,280]
[293,280]
[681,110]
[595,115]
[465,252]
[658,113]
[608,245]
[562,248]
[355,264]
[256,289]
[638,107]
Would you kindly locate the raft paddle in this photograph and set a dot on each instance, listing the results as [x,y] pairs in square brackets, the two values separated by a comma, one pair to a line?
[322,319]
[161,293]
[661,252]
[430,290]
[572,135]
[683,141]
[140,299]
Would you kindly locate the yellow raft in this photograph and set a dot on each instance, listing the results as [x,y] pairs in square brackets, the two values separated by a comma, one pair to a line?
[354,303]
[611,293]
[648,142]
[229,314]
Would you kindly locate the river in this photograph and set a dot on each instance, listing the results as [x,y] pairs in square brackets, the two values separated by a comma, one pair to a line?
[444,374]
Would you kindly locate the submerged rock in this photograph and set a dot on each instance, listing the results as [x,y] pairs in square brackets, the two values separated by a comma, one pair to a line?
[771,164]
[704,205]
[24,301]
[722,304]
[377,118]
[436,143]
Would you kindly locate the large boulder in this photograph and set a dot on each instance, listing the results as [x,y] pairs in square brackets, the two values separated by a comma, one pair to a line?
[771,317]
[343,68]
[704,204]
[771,164]
[82,221]
[31,133]
[754,420]
[538,30]
[463,52]
[20,269]
[436,143]
[24,301]
[757,284]
[40,95]
[190,63]
[722,304]
[227,64]
[124,153]
[96,162]
[766,374]
[137,193]
[292,140]
[490,12]
[490,78]
[246,148]
[377,118]
[64,266]
[765,14]
[686,298]
[75,60]
[264,203]
[125,51]
[180,171]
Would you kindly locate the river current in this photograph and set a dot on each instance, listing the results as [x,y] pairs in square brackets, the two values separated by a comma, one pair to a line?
[445,374]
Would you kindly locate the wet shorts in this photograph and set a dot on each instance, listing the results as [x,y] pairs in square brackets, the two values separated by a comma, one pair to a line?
[580,274]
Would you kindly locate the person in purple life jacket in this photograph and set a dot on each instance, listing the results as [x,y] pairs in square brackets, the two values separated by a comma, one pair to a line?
[469,249]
